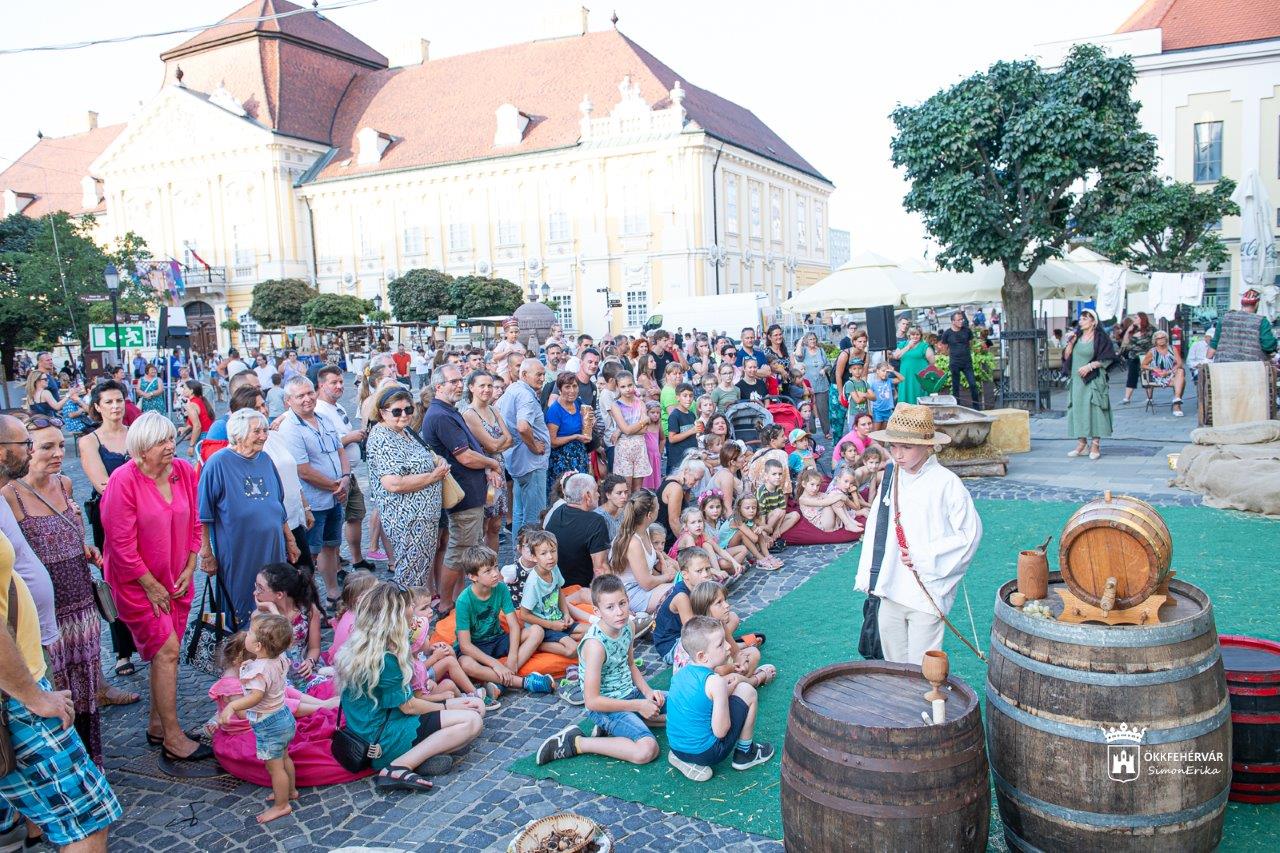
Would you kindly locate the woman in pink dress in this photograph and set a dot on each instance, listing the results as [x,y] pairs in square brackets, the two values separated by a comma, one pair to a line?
[151,521]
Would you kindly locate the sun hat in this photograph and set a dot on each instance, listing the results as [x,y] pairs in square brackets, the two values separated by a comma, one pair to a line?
[796,434]
[911,424]
[1250,297]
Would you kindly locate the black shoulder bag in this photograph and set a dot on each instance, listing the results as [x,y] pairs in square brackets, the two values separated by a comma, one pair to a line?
[869,639]
[353,752]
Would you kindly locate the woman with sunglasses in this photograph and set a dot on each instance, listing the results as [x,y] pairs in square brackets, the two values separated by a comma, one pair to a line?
[50,521]
[405,481]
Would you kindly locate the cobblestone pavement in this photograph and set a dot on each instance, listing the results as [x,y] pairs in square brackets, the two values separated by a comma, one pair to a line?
[480,805]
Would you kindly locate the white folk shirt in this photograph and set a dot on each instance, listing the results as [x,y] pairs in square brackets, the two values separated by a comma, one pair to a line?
[943,531]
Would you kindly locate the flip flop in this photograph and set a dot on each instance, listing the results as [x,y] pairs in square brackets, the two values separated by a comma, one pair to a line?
[194,734]
[401,779]
[121,697]
[125,667]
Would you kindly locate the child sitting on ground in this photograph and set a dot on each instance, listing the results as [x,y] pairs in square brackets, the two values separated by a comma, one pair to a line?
[264,679]
[658,536]
[486,651]
[514,574]
[745,524]
[620,703]
[709,599]
[676,609]
[437,673]
[543,602]
[358,583]
[694,535]
[716,523]
[707,721]
[775,520]
[827,511]
[802,455]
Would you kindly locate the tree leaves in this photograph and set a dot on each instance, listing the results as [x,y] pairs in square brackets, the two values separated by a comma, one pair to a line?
[278,302]
[330,310]
[422,295]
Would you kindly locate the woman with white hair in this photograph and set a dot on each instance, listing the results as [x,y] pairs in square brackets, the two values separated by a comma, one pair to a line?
[152,532]
[242,510]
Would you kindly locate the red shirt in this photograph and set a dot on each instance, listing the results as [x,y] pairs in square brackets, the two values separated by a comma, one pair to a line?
[402,363]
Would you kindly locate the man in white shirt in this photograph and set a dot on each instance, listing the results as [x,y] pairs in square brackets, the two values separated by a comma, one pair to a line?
[329,407]
[917,584]
[265,367]
[421,366]
[233,364]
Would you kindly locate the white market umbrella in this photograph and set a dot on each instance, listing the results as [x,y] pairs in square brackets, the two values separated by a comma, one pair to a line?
[1257,240]
[1054,279]
[866,281]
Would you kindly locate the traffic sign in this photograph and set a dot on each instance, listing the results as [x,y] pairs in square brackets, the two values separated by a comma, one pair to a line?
[95,297]
[615,303]
[103,336]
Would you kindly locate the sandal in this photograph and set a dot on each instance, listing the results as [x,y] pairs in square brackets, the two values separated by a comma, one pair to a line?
[158,740]
[112,696]
[766,673]
[401,779]
[125,667]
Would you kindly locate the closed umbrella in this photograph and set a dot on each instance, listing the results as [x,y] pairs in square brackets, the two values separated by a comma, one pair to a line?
[1257,240]
[866,281]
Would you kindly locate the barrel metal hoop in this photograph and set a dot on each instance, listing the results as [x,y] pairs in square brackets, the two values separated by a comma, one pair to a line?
[958,757]
[1085,635]
[1112,821]
[887,811]
[1106,679]
[1093,734]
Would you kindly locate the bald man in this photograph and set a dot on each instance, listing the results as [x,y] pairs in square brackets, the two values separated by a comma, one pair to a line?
[528,458]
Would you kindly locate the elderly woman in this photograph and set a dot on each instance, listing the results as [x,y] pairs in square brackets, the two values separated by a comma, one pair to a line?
[673,495]
[242,511]
[50,520]
[152,529]
[405,480]
[569,437]
[1088,403]
[1164,365]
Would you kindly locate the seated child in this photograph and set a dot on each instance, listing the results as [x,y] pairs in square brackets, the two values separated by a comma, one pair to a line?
[228,687]
[693,535]
[437,673]
[746,533]
[706,720]
[802,455]
[513,575]
[675,610]
[658,536]
[827,511]
[716,523]
[358,583]
[849,456]
[774,518]
[264,679]
[543,602]
[744,651]
[482,643]
[619,701]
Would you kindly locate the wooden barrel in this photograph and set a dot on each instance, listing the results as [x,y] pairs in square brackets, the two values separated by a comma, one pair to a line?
[861,770]
[1253,680]
[1114,536]
[1064,704]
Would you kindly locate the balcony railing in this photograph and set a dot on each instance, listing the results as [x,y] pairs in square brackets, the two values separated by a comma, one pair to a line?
[245,271]
[199,276]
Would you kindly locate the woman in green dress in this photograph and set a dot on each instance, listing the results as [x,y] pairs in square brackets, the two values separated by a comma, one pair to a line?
[1088,402]
[914,357]
[151,391]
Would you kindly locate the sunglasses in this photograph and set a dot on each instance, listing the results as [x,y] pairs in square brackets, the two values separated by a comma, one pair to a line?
[401,412]
[44,422]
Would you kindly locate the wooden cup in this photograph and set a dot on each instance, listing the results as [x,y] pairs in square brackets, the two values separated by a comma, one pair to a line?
[1033,574]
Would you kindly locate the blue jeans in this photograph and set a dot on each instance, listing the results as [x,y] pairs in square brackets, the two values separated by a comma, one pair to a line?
[627,724]
[529,498]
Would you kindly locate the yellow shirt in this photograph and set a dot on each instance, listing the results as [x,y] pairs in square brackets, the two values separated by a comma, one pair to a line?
[28,638]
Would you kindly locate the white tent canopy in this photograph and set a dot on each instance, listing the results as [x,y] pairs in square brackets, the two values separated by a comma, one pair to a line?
[1054,279]
[865,281]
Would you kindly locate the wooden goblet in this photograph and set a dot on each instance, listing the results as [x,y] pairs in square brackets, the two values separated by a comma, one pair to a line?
[935,668]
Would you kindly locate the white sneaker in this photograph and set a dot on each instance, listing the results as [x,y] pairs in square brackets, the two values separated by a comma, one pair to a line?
[692,772]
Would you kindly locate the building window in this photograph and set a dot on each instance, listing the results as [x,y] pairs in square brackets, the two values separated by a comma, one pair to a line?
[1208,152]
[637,307]
[414,243]
[1216,225]
[802,222]
[562,305]
[558,226]
[635,218]
[775,215]
[248,330]
[754,202]
[241,239]
[731,203]
[508,232]
[459,236]
[819,229]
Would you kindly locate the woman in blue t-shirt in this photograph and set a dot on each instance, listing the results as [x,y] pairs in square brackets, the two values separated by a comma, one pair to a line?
[569,438]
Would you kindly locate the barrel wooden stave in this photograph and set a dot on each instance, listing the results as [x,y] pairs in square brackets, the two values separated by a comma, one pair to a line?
[1124,538]
[1253,680]
[1046,702]
[849,787]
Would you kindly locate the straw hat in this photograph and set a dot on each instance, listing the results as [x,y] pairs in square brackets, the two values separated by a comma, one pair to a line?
[911,424]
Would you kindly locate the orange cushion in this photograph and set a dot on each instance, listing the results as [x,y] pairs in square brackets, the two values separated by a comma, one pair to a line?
[446,631]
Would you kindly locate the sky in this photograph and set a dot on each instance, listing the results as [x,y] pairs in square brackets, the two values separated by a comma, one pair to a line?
[823,75]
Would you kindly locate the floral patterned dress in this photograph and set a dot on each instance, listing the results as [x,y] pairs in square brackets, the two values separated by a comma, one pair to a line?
[497,509]
[411,519]
[151,404]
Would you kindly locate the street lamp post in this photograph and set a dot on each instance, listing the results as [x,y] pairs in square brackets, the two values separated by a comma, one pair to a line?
[377,307]
[112,277]
[231,333]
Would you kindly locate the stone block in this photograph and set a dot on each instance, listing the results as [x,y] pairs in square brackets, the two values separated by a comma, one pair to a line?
[1011,433]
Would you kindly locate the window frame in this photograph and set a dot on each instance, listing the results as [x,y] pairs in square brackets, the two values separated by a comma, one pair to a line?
[1199,163]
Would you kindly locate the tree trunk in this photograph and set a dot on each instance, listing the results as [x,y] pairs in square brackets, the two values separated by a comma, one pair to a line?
[8,353]
[1018,316]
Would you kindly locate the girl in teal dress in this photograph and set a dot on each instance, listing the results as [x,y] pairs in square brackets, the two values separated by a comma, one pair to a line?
[915,357]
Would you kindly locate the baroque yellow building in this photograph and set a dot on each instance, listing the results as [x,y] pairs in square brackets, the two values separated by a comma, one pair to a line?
[288,147]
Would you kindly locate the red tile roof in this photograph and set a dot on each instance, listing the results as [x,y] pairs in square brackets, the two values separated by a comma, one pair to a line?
[1202,23]
[307,27]
[51,170]
[443,110]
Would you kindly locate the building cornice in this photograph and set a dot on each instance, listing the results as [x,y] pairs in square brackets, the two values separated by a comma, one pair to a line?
[178,53]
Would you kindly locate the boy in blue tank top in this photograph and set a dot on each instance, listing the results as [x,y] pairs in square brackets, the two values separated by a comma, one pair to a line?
[705,723]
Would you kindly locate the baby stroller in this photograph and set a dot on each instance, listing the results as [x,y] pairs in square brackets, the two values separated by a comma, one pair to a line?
[746,419]
[785,414]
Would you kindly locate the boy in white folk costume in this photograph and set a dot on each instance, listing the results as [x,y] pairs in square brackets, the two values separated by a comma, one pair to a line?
[941,528]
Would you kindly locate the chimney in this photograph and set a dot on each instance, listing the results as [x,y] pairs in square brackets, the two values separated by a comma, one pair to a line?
[93,120]
[562,23]
[409,51]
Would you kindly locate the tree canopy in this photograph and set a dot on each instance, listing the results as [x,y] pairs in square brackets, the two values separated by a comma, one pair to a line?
[477,296]
[329,310]
[1002,165]
[278,302]
[420,296]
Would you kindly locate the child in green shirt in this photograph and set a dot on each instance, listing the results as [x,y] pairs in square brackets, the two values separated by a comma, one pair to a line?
[487,652]
[856,389]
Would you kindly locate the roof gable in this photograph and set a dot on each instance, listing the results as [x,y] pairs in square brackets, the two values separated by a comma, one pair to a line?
[1188,24]
[51,171]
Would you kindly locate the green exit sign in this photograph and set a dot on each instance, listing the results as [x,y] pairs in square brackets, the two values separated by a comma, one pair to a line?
[103,336]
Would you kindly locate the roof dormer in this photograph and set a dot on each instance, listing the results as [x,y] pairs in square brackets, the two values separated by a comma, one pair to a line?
[370,146]
[511,124]
[16,202]
[90,192]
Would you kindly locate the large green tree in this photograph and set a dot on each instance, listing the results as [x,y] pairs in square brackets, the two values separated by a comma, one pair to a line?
[329,310]
[1163,225]
[477,296]
[420,296]
[1003,164]
[278,302]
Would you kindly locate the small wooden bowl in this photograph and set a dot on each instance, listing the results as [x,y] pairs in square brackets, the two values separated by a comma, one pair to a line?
[1017,599]
[531,838]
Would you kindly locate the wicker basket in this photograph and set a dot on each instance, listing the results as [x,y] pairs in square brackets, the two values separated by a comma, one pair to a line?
[531,838]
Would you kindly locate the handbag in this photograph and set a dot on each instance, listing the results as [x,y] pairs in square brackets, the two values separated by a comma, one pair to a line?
[451,493]
[103,600]
[869,638]
[353,752]
[208,629]
[8,758]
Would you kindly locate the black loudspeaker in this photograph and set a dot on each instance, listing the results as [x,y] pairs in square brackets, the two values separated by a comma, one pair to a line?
[172,331]
[882,332]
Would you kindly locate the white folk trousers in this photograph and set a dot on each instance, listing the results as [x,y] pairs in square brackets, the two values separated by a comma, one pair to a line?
[906,634]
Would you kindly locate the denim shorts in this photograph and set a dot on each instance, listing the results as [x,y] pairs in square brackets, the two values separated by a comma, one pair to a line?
[495,647]
[720,750]
[627,724]
[273,733]
[550,636]
[327,531]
